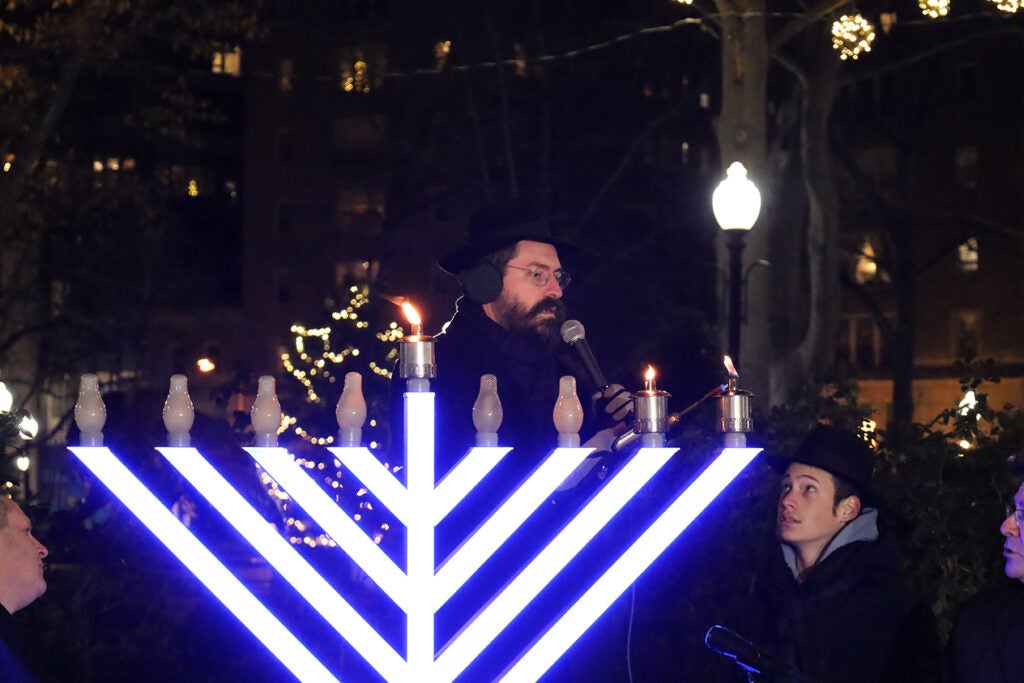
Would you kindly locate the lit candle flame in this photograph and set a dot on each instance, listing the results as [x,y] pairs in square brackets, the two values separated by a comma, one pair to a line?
[730,368]
[413,317]
[649,378]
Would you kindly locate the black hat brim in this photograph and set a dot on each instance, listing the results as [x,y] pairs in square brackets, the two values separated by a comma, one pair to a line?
[458,260]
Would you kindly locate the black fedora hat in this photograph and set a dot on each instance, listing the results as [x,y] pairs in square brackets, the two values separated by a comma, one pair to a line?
[836,451]
[497,226]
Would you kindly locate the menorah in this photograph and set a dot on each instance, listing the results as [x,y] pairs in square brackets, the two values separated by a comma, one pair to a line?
[421,587]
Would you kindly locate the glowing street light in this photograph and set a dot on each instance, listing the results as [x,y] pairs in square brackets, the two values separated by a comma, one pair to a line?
[736,203]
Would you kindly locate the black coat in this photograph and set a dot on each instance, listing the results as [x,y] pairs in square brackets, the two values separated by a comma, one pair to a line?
[12,650]
[987,643]
[853,620]
[528,374]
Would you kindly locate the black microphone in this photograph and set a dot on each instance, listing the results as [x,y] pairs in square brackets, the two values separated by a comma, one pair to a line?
[575,336]
[750,657]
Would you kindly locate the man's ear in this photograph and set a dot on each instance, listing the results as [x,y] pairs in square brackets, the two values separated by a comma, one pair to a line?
[848,509]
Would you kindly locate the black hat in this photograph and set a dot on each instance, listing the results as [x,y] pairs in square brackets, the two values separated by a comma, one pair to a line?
[836,451]
[497,226]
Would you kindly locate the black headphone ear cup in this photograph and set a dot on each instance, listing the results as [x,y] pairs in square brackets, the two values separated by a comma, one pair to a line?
[482,283]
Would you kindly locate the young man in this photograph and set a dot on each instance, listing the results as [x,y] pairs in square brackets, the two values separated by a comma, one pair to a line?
[21,582]
[833,601]
[987,643]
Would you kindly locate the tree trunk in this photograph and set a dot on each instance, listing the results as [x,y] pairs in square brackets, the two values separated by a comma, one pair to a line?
[813,354]
[741,131]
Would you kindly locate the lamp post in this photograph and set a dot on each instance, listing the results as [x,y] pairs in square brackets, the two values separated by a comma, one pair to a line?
[736,203]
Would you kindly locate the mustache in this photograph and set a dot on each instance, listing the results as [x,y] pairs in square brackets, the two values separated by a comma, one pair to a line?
[549,304]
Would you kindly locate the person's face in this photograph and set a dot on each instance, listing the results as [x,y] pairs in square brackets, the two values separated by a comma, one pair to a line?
[523,306]
[1013,549]
[806,518]
[21,560]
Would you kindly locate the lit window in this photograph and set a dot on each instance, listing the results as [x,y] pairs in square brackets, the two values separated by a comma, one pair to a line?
[520,60]
[354,74]
[967,256]
[287,74]
[866,269]
[97,166]
[113,164]
[227,62]
[441,51]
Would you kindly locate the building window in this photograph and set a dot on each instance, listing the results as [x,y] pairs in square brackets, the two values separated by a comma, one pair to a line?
[967,81]
[861,344]
[866,269]
[286,73]
[284,146]
[285,217]
[879,164]
[967,256]
[355,73]
[966,172]
[227,61]
[521,65]
[282,290]
[360,210]
[358,139]
[966,333]
[441,51]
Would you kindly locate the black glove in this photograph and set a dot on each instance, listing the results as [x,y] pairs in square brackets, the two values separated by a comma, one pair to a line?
[613,406]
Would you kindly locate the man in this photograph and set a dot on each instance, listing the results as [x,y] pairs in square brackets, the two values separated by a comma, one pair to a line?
[833,600]
[987,643]
[508,323]
[21,582]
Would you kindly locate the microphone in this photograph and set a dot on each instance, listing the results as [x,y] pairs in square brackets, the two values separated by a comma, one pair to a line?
[750,657]
[575,336]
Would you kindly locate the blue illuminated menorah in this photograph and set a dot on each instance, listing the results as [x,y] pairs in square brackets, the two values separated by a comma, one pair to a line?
[422,587]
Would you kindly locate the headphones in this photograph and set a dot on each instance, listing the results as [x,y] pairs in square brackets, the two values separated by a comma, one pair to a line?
[481,283]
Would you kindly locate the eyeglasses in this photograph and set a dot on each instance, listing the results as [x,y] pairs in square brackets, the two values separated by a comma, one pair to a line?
[1018,516]
[540,276]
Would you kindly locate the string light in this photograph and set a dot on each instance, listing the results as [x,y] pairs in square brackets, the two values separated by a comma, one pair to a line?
[852,35]
[1010,6]
[934,8]
[318,357]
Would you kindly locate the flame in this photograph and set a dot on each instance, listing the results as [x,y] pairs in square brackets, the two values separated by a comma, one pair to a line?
[729,367]
[649,375]
[410,313]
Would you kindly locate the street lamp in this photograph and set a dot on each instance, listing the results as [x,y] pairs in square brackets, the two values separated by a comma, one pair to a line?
[736,203]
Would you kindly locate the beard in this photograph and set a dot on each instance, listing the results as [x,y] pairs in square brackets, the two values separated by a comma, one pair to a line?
[514,316]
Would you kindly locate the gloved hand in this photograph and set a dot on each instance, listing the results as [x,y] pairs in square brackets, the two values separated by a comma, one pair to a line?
[602,445]
[614,407]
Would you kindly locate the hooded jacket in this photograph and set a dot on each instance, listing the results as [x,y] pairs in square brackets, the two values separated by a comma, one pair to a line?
[852,619]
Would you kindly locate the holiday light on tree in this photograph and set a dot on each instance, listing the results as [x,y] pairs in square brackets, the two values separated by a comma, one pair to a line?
[934,8]
[1010,6]
[852,35]
[358,336]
